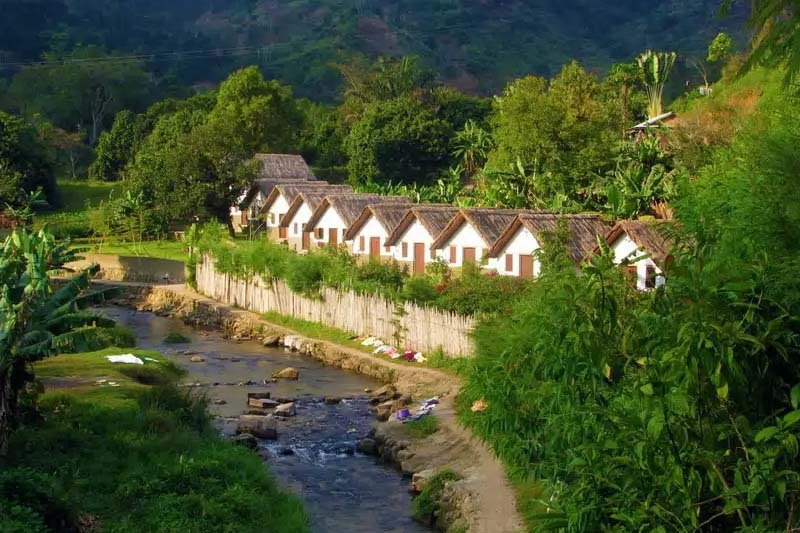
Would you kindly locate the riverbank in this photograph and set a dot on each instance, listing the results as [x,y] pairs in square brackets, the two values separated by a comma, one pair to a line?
[119,447]
[480,501]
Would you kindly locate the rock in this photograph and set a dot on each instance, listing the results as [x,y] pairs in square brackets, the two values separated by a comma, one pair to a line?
[219,401]
[197,359]
[258,395]
[262,403]
[247,440]
[284,400]
[342,449]
[387,392]
[235,359]
[332,400]
[257,412]
[188,352]
[263,427]
[420,479]
[402,401]
[404,455]
[367,390]
[285,410]
[287,373]
[271,340]
[286,451]
[368,447]
[384,410]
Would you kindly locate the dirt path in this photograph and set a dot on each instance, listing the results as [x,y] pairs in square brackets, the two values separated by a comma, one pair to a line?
[486,495]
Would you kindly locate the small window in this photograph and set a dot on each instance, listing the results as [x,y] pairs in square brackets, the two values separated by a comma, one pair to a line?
[320,233]
[388,248]
[361,243]
[405,250]
[452,254]
[294,228]
[280,217]
[272,218]
[509,262]
[650,277]
[484,254]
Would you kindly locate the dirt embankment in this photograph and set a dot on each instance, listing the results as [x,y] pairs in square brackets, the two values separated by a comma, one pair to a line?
[482,501]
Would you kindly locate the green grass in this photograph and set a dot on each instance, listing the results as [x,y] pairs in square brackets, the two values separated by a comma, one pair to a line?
[176,337]
[77,197]
[423,427]
[133,458]
[160,249]
[315,330]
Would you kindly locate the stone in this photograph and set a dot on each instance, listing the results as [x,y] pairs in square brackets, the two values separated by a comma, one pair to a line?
[384,410]
[262,427]
[286,451]
[262,403]
[257,412]
[332,400]
[404,455]
[247,440]
[258,395]
[387,392]
[368,446]
[235,359]
[287,373]
[285,410]
[420,479]
[219,401]
[271,340]
[402,401]
[188,352]
[284,400]
[197,359]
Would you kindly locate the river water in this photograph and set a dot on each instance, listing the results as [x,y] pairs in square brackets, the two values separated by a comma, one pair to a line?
[314,456]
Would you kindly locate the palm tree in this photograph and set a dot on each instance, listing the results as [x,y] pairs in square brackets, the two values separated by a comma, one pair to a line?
[37,321]
[655,67]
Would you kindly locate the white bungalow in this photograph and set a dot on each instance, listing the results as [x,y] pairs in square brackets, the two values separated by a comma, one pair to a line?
[280,199]
[642,249]
[369,232]
[471,233]
[336,213]
[412,239]
[514,252]
[298,215]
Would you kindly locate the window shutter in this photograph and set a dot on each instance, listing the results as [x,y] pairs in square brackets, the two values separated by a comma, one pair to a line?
[405,250]
[361,243]
[452,254]
[509,262]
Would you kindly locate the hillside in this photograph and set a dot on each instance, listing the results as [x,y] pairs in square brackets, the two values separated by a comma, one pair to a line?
[475,45]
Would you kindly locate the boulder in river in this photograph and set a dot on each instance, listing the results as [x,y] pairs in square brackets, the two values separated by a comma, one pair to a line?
[246,440]
[258,395]
[197,359]
[262,403]
[385,393]
[287,373]
[271,340]
[368,446]
[332,400]
[263,427]
[420,479]
[285,410]
[383,410]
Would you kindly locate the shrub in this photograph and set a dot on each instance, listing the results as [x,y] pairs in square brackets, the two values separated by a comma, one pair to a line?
[420,290]
[426,505]
[306,273]
[176,337]
[422,427]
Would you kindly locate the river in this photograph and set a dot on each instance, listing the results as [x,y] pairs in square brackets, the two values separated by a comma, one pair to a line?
[314,456]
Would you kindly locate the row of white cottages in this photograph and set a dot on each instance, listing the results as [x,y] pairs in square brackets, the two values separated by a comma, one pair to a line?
[305,213]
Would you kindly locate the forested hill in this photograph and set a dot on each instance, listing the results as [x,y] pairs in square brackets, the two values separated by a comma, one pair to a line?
[475,45]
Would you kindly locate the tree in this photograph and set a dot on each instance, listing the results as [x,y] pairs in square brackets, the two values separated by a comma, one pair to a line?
[472,146]
[81,89]
[25,165]
[655,67]
[115,148]
[720,48]
[37,321]
[400,141]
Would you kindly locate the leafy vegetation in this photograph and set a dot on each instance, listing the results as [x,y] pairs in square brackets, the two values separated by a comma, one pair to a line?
[423,427]
[176,337]
[426,504]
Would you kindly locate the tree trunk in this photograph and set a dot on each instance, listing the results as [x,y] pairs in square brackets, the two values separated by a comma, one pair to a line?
[8,407]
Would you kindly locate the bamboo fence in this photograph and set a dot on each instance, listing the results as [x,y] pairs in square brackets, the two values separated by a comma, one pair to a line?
[405,325]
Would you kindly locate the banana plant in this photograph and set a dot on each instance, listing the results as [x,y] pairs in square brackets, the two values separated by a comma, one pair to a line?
[37,320]
[655,67]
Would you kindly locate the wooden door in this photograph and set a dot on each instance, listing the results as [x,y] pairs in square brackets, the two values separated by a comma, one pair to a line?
[282,232]
[526,266]
[306,240]
[419,258]
[333,236]
[374,246]
[469,255]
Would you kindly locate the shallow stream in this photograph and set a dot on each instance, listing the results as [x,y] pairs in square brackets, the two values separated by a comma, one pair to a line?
[314,456]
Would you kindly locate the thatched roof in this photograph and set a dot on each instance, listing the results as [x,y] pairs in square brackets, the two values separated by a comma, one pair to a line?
[290,190]
[585,230]
[264,186]
[646,235]
[284,167]
[387,215]
[434,218]
[488,222]
[349,206]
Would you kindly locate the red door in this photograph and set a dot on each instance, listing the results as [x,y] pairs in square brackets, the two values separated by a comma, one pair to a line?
[333,236]
[469,255]
[419,258]
[374,246]
[306,240]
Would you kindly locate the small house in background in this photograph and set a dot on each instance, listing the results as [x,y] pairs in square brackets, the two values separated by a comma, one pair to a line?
[280,199]
[336,213]
[412,239]
[471,233]
[644,251]
[664,120]
[514,252]
[274,169]
[298,215]
[370,230]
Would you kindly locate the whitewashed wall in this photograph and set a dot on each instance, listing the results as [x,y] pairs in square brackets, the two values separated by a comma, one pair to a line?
[298,222]
[624,248]
[523,243]
[465,237]
[276,211]
[372,228]
[422,329]
[415,233]
[330,219]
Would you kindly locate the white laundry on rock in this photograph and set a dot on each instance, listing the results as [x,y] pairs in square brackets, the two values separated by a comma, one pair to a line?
[127,358]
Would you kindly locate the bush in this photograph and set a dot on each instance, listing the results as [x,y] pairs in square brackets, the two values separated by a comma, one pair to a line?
[176,337]
[420,290]
[426,505]
[306,273]
[423,427]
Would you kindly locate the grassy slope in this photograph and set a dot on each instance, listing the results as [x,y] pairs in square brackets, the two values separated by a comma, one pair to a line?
[133,458]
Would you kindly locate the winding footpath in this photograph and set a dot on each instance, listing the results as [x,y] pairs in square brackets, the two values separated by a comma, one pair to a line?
[485,498]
